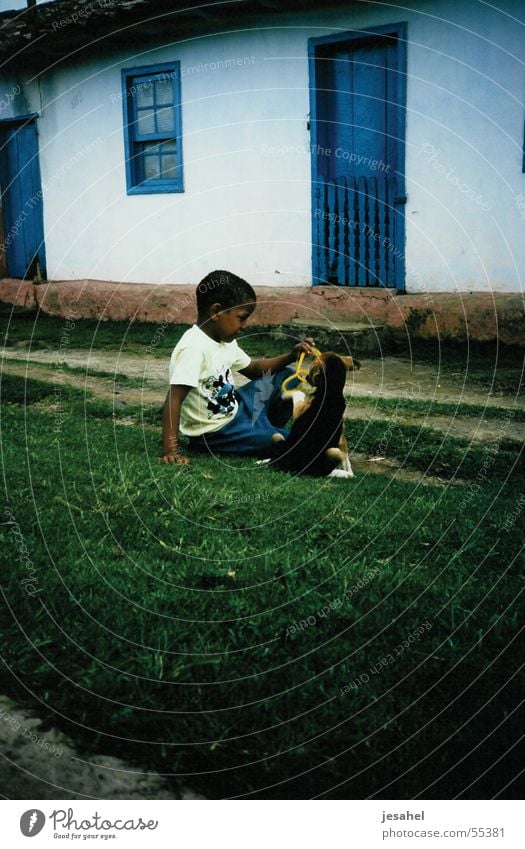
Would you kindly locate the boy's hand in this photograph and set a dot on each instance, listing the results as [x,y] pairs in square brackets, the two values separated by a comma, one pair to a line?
[303,347]
[175,459]
[258,368]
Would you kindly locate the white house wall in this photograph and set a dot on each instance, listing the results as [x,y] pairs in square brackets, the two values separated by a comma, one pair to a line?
[247,199]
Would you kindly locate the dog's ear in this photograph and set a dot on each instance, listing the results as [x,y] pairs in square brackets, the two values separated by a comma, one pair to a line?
[351,364]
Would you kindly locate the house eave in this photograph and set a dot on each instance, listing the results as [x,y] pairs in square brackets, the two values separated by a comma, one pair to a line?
[52,32]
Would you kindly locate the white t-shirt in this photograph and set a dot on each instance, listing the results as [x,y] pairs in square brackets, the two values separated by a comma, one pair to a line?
[207,367]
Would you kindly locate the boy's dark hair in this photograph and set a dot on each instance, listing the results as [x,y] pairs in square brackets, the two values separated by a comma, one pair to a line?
[224,288]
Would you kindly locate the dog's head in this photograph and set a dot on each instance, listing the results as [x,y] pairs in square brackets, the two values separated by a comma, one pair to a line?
[329,371]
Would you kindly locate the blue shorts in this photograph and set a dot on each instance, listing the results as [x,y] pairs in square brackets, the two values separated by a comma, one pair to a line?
[262,412]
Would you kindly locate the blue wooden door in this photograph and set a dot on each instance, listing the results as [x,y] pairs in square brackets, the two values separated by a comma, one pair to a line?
[358,194]
[20,185]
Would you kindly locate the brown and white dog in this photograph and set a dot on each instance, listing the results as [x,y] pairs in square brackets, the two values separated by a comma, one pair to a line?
[316,444]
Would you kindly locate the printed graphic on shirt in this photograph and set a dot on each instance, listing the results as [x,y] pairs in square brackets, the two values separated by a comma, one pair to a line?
[220,392]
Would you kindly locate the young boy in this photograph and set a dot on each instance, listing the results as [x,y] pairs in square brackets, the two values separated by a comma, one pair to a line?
[202,402]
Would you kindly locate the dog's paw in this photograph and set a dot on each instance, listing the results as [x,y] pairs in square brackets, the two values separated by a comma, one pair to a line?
[341,473]
[262,462]
[345,465]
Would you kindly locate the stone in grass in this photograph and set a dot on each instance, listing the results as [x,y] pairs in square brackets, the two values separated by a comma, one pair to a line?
[41,764]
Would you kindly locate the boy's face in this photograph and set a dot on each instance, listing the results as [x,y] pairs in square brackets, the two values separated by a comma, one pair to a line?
[229,323]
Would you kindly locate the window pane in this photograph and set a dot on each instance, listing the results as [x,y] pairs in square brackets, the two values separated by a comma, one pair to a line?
[165,120]
[151,167]
[169,167]
[145,121]
[144,93]
[168,146]
[150,147]
[163,91]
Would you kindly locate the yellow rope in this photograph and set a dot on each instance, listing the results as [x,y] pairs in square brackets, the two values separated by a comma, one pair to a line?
[300,373]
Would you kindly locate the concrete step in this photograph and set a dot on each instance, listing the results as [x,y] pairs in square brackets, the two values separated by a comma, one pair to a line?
[360,338]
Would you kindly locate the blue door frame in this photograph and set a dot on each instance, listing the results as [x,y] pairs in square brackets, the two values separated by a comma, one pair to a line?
[358,98]
[22,208]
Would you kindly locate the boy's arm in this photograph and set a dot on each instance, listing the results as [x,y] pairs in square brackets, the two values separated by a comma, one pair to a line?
[272,364]
[170,425]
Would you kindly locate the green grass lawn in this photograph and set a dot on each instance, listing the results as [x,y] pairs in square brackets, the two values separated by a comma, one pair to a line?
[257,634]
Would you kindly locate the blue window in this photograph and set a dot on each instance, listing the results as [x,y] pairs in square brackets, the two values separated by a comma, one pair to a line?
[153,129]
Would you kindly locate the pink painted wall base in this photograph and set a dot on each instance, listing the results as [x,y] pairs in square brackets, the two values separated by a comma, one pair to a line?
[473,316]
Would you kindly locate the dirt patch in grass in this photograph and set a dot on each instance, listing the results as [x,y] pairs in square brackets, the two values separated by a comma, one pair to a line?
[107,389]
[398,377]
[362,464]
[456,426]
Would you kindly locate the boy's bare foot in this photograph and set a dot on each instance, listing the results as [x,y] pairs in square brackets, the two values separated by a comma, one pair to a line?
[175,459]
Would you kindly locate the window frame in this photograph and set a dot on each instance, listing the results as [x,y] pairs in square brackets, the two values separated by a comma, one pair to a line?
[151,186]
